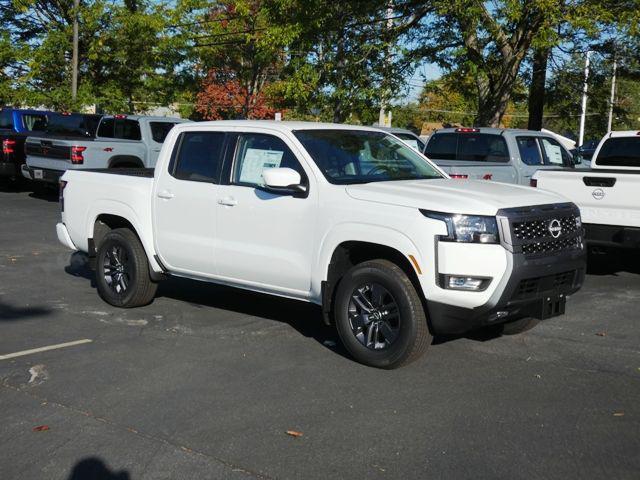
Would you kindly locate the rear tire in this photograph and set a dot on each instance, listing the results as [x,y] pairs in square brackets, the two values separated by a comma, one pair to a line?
[519,326]
[379,315]
[122,270]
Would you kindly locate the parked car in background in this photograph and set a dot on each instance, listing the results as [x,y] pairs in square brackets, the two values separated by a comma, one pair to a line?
[15,126]
[350,218]
[407,136]
[608,195]
[111,141]
[500,154]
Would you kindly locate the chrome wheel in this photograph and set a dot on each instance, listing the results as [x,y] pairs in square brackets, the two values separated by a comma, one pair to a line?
[117,269]
[374,316]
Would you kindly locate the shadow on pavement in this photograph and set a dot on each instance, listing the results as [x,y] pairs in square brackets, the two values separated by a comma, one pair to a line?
[10,312]
[306,318]
[93,468]
[611,262]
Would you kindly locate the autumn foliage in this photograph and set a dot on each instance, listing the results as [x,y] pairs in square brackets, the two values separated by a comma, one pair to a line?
[222,97]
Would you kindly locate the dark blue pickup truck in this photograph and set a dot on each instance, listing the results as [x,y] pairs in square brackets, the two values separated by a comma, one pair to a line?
[15,126]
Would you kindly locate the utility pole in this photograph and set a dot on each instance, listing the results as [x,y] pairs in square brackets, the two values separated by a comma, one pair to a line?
[74,58]
[383,119]
[613,93]
[583,113]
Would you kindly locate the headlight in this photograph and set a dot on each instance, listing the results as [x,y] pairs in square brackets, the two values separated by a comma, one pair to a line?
[467,228]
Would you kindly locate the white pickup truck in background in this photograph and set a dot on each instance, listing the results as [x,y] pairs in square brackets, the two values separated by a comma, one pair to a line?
[349,218]
[120,141]
[608,195]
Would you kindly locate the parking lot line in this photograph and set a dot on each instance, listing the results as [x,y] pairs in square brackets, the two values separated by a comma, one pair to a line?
[45,349]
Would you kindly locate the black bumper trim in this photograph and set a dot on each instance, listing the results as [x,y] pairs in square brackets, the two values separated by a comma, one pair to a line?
[509,303]
[617,236]
[9,169]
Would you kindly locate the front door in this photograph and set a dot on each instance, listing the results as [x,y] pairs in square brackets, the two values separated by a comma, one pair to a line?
[265,240]
[184,204]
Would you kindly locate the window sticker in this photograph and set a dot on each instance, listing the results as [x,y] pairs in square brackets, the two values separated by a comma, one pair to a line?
[256,160]
[554,152]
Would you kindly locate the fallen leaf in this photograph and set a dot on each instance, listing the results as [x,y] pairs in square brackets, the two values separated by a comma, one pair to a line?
[41,428]
[618,414]
[601,334]
[293,433]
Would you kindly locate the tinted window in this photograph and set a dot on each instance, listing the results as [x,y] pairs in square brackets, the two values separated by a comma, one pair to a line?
[106,128]
[554,153]
[482,147]
[34,122]
[620,152]
[255,152]
[6,119]
[73,124]
[160,130]
[529,150]
[362,156]
[199,156]
[442,146]
[126,129]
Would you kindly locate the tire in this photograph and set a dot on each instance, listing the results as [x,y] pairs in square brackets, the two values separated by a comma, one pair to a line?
[398,333]
[122,270]
[519,326]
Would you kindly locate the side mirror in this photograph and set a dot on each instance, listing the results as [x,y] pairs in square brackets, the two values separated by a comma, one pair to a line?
[283,180]
[577,157]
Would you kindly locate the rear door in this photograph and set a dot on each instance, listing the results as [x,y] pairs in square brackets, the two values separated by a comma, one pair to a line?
[157,131]
[184,200]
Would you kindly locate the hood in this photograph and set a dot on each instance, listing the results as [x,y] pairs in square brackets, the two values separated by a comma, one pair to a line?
[473,197]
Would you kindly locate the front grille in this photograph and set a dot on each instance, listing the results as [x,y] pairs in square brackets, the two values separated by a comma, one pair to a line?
[533,287]
[543,230]
[551,246]
[539,228]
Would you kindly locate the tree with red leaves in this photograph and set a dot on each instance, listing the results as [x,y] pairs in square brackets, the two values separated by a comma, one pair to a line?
[223,97]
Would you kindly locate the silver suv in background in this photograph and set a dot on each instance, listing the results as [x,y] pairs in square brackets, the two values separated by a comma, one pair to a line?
[407,136]
[499,154]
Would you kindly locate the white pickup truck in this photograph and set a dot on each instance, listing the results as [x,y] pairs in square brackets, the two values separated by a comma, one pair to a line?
[608,195]
[117,141]
[349,218]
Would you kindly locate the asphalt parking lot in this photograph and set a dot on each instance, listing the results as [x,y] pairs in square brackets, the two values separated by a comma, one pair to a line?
[206,381]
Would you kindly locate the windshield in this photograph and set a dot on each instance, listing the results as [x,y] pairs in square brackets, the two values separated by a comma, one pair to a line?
[410,140]
[361,156]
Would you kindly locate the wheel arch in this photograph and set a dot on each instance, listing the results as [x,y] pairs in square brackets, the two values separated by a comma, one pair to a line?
[125,161]
[345,251]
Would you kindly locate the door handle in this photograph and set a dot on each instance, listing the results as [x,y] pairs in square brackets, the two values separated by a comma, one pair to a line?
[228,201]
[166,194]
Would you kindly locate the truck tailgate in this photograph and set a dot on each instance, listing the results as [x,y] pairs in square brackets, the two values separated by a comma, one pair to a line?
[604,196]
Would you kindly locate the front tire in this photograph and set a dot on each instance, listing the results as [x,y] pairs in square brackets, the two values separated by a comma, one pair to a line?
[122,270]
[379,315]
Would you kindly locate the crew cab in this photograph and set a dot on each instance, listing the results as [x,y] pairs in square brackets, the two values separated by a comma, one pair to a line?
[499,154]
[608,194]
[349,218]
[15,126]
[117,141]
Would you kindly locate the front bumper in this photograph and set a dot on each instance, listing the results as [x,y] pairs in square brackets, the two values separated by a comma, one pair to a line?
[536,287]
[612,236]
[41,174]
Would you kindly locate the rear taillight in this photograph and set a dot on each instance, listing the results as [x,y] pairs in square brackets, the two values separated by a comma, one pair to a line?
[8,146]
[61,194]
[459,176]
[533,182]
[76,154]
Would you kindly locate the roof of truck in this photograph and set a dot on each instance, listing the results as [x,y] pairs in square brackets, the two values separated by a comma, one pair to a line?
[497,131]
[149,117]
[285,126]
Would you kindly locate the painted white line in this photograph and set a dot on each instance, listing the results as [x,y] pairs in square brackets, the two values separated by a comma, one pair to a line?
[44,349]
